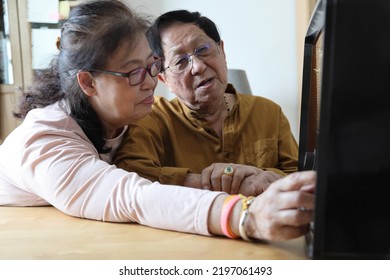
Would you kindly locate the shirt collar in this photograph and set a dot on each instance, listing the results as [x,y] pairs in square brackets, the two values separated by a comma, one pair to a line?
[193,114]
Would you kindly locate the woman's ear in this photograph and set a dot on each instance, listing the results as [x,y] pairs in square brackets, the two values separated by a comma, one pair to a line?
[85,80]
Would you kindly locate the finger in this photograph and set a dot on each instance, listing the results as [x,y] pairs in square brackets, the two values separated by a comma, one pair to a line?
[215,179]
[218,177]
[238,177]
[291,232]
[206,177]
[306,201]
[250,170]
[268,177]
[294,217]
[308,188]
[226,182]
[295,200]
[296,180]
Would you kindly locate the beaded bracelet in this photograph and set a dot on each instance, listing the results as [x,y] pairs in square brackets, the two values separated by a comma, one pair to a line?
[227,207]
[246,202]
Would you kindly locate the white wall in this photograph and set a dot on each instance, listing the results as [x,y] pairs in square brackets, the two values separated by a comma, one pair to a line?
[264,37]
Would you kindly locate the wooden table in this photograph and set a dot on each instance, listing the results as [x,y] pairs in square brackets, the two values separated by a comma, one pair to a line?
[46,233]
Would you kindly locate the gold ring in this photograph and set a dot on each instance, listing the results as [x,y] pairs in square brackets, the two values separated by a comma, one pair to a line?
[228,170]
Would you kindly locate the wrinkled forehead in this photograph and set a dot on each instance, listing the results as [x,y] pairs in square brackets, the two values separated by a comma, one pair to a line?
[182,37]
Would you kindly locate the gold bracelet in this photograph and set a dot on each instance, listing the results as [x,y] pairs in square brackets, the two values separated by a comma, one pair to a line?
[246,202]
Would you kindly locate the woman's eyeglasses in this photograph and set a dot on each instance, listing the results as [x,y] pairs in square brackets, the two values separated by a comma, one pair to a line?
[137,75]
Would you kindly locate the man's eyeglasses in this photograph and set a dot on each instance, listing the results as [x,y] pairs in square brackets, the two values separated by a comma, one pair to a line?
[184,62]
[137,75]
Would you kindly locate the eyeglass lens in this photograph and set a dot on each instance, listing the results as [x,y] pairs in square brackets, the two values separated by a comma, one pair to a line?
[184,62]
[138,75]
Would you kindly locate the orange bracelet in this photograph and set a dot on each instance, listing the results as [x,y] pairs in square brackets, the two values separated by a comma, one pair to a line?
[227,207]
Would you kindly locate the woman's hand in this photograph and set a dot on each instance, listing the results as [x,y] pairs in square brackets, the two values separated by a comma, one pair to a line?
[284,211]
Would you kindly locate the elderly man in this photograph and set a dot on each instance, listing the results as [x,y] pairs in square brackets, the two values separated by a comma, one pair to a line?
[209,136]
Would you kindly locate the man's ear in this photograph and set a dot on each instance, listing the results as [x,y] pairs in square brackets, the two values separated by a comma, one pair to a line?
[86,80]
[221,45]
[161,77]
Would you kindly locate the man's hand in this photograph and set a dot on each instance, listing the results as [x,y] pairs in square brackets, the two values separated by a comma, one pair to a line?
[256,184]
[244,179]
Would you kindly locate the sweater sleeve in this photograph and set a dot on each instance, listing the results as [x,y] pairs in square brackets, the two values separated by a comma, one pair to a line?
[76,181]
[61,167]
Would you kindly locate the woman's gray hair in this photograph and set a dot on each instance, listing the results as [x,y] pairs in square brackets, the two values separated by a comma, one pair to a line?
[94,31]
